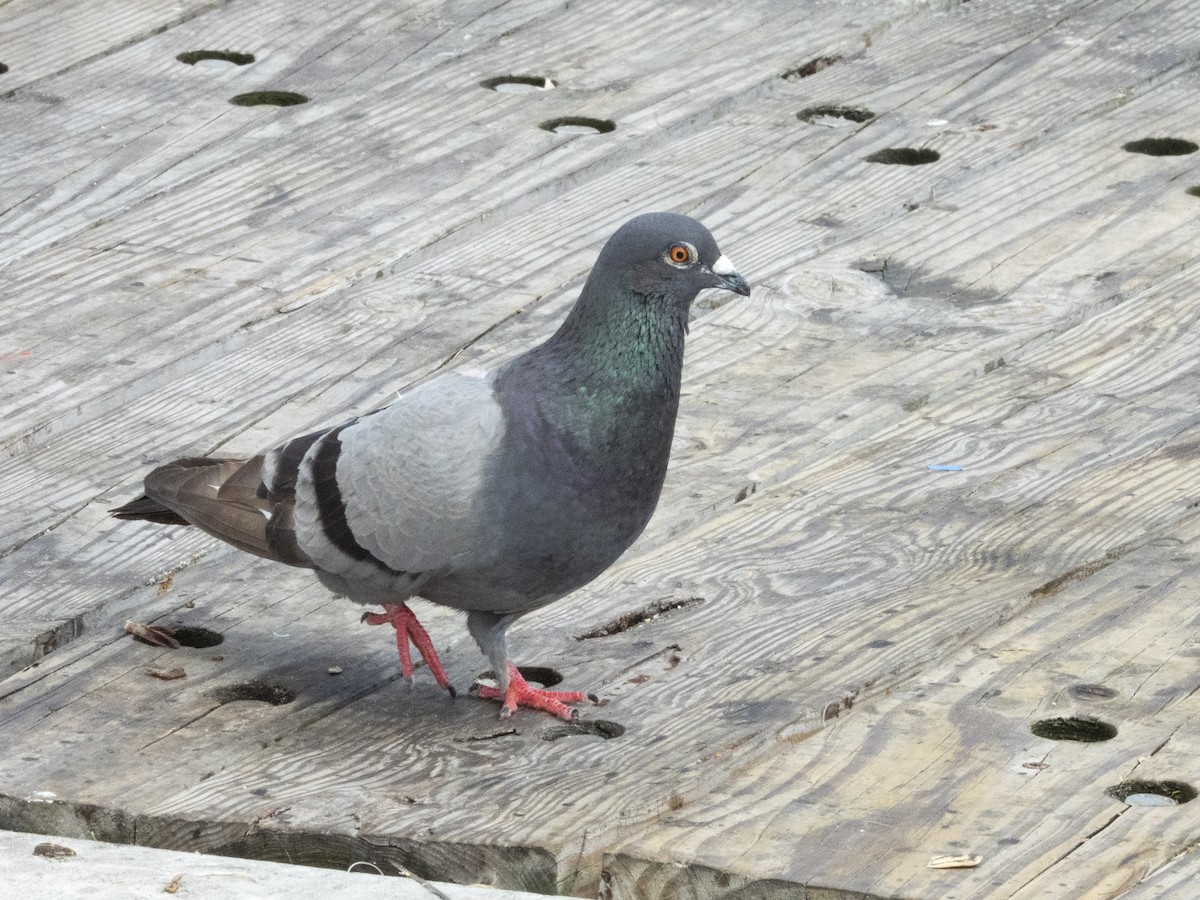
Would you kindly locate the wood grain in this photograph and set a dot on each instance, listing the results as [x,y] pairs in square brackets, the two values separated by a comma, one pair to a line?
[817,714]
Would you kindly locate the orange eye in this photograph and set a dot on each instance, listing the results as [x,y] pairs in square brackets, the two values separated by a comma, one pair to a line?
[679,254]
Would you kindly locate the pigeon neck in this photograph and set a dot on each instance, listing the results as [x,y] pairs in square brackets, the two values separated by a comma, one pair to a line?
[622,345]
[604,389]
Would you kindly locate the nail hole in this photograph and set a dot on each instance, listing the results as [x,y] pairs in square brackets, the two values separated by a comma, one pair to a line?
[1084,729]
[268,98]
[1152,793]
[821,115]
[543,675]
[602,728]
[186,636]
[1194,191]
[3,68]
[812,67]
[904,156]
[1091,692]
[518,84]
[578,125]
[199,638]
[1161,147]
[256,691]
[191,57]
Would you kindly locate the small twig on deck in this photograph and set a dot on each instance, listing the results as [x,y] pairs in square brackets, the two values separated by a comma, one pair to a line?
[421,881]
[158,635]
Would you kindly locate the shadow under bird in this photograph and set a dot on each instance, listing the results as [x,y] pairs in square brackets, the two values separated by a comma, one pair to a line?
[495,494]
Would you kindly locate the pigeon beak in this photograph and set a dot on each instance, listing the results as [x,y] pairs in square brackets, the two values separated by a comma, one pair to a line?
[727,278]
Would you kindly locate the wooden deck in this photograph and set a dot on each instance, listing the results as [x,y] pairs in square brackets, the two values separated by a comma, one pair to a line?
[936,481]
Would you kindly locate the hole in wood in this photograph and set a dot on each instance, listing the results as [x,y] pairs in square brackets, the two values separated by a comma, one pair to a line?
[1162,147]
[543,675]
[256,691]
[3,68]
[518,84]
[184,636]
[268,98]
[199,638]
[53,851]
[1083,729]
[745,492]
[191,57]
[1152,793]
[1194,191]
[904,156]
[812,67]
[1091,692]
[578,125]
[821,115]
[602,728]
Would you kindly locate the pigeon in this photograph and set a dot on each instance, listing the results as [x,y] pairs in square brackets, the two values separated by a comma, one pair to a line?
[494,493]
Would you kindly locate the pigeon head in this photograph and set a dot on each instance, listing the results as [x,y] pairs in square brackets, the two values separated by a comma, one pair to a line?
[666,255]
[634,305]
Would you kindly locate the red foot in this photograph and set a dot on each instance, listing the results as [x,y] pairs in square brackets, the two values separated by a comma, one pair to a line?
[521,694]
[400,617]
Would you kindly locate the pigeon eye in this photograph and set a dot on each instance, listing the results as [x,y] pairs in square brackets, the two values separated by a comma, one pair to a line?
[679,254]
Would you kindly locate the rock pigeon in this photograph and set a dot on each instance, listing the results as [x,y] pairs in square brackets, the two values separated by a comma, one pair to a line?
[495,494]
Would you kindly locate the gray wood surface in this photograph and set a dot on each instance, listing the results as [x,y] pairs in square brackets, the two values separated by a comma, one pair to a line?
[33,866]
[858,644]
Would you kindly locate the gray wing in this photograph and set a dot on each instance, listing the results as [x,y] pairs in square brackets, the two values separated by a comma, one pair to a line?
[390,500]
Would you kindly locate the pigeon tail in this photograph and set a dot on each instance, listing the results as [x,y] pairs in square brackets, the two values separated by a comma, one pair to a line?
[147,510]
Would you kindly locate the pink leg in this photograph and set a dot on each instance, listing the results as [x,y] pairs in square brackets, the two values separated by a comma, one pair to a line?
[400,617]
[521,694]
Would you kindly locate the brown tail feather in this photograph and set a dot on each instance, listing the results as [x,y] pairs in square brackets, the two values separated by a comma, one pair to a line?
[149,511]
[223,498]
[152,510]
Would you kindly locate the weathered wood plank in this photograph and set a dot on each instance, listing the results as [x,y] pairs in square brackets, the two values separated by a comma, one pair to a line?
[83,34]
[62,365]
[946,763]
[1014,309]
[51,511]
[252,377]
[763,540]
[73,867]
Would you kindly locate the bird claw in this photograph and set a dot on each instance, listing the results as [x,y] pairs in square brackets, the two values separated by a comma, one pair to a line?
[521,694]
[400,617]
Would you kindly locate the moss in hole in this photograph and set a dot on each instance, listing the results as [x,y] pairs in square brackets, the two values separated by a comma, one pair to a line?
[849,113]
[1161,147]
[191,57]
[812,67]
[601,728]
[904,156]
[257,691]
[1179,791]
[518,84]
[578,125]
[268,98]
[1083,729]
